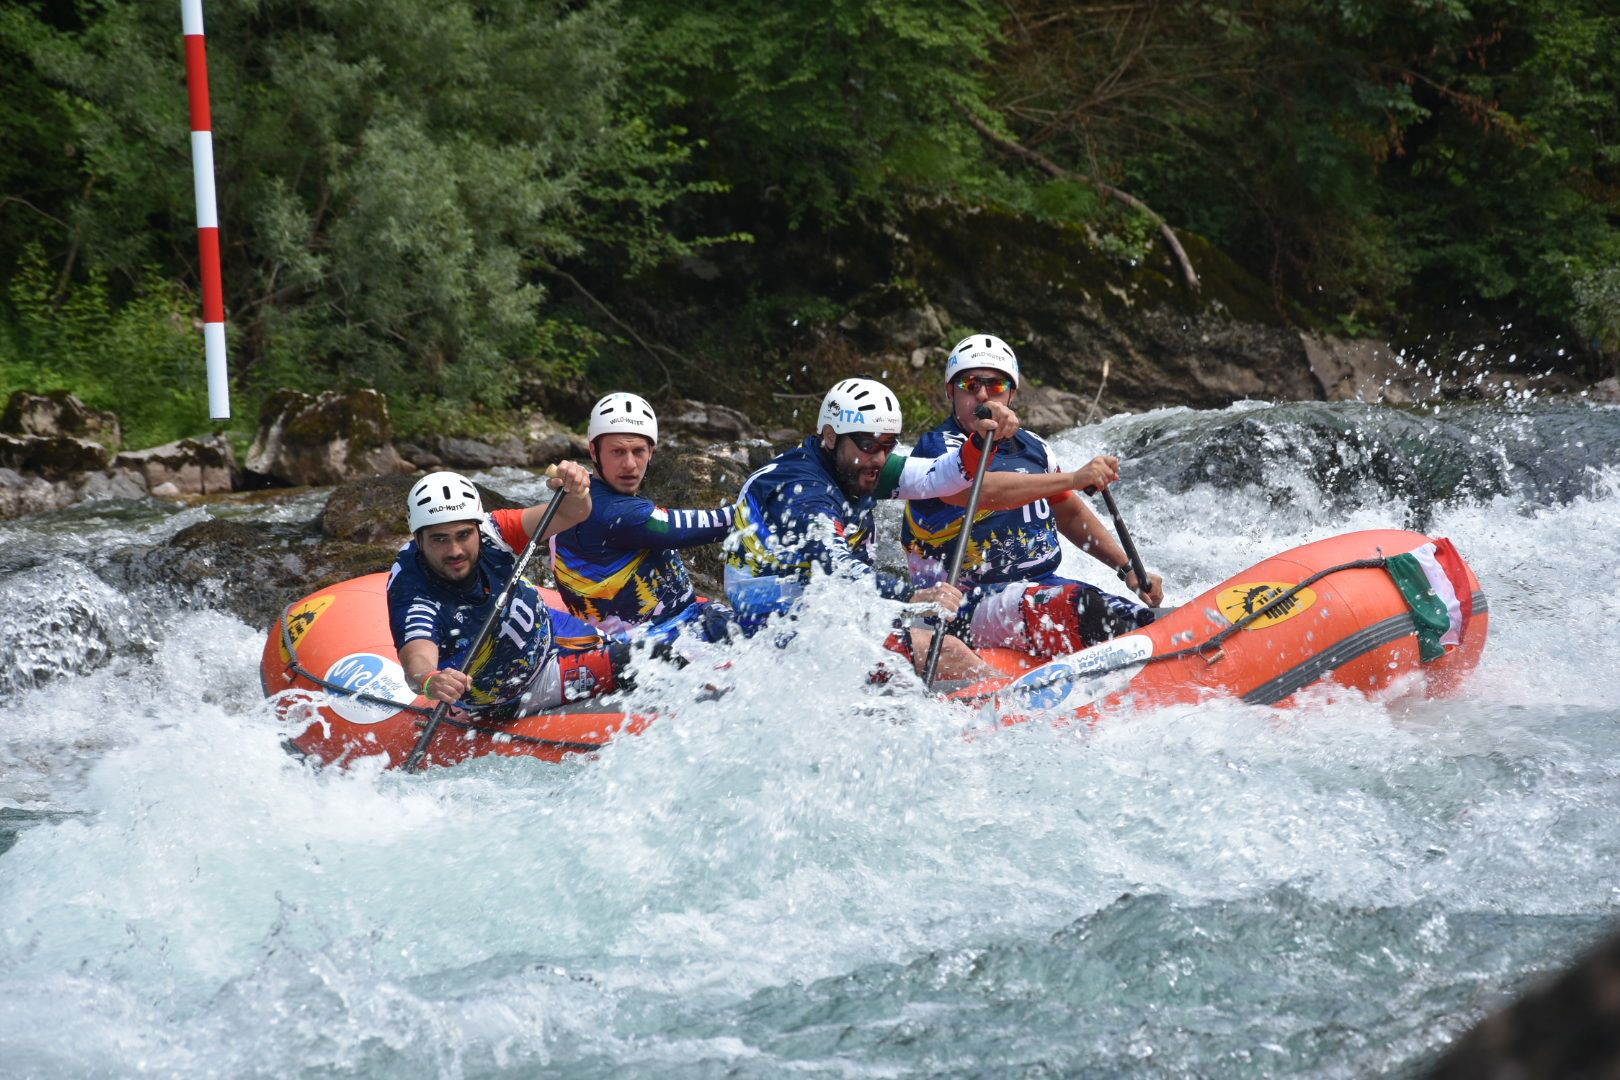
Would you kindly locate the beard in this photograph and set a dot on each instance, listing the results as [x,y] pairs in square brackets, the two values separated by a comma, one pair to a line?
[857,482]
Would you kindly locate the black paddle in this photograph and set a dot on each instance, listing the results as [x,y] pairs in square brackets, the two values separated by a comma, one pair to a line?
[981,413]
[414,762]
[1142,584]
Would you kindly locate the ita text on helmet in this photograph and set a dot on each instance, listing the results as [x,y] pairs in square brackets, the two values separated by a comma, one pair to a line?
[857,405]
[442,497]
[982,351]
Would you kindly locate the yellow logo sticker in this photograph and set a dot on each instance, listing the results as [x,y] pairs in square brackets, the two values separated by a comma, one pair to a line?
[300,619]
[1241,601]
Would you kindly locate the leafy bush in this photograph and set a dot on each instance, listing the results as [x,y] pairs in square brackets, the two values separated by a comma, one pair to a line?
[142,359]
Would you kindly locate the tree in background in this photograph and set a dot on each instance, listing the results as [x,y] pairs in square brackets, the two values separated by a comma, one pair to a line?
[1362,156]
[392,174]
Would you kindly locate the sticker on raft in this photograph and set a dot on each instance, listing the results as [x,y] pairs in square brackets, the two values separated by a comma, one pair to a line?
[1241,601]
[367,673]
[1085,678]
[300,619]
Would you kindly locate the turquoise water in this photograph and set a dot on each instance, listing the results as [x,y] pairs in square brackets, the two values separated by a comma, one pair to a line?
[807,878]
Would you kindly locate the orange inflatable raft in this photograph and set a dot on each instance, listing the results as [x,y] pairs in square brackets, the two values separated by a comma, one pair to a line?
[1335,610]
[331,658]
[1330,610]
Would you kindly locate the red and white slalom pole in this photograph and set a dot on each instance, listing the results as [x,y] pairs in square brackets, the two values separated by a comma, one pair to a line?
[202,172]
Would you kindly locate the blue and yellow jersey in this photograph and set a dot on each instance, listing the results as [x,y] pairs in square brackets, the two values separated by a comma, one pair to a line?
[1004,545]
[422,606]
[621,567]
[792,517]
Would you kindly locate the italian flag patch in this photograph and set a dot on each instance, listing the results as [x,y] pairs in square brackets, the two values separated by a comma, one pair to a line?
[1434,582]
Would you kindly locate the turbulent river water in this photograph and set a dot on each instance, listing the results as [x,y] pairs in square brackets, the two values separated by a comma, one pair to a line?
[809,878]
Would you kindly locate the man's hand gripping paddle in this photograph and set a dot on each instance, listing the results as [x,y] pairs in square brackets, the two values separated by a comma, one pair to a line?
[414,762]
[938,641]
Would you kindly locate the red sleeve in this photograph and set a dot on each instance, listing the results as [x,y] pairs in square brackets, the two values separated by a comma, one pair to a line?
[972,450]
[509,523]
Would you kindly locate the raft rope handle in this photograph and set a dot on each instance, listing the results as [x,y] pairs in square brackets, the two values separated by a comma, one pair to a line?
[297,669]
[1216,640]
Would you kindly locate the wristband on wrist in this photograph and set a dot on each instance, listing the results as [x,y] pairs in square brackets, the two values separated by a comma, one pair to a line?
[1124,572]
[427,682]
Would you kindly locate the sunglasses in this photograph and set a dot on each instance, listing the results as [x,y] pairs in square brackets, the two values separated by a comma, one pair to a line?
[990,384]
[871,444]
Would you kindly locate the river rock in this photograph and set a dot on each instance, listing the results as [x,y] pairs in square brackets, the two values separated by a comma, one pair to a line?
[371,510]
[59,412]
[114,483]
[23,495]
[1569,1027]
[201,466]
[1047,410]
[52,457]
[548,442]
[692,479]
[1357,370]
[538,442]
[328,439]
[250,569]
[702,421]
[891,316]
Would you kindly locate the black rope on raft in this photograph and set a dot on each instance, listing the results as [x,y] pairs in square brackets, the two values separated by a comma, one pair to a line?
[296,668]
[1217,639]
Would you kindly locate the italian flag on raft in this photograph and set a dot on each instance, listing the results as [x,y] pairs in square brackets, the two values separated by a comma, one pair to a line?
[1435,584]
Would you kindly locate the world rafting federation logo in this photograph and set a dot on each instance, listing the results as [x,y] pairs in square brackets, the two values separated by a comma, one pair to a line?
[1273,601]
[380,679]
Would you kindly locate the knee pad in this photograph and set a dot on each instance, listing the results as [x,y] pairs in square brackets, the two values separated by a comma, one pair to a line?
[591,674]
[1054,621]
[1061,619]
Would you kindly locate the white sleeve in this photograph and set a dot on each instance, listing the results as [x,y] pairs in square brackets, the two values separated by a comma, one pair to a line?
[932,478]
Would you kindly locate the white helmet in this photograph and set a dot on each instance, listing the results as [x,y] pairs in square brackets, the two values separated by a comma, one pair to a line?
[861,405]
[622,414]
[443,496]
[982,351]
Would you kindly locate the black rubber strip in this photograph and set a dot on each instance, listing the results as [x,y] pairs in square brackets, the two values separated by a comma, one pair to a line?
[1358,644]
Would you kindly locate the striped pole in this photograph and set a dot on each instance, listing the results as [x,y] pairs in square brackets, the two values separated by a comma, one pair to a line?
[202,173]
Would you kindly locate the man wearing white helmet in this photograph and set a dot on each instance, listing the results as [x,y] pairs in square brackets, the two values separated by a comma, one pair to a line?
[812,507]
[621,568]
[441,588]
[1015,596]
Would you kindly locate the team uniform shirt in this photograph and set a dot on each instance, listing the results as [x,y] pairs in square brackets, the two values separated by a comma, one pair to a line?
[620,568]
[422,606]
[1004,545]
[792,517]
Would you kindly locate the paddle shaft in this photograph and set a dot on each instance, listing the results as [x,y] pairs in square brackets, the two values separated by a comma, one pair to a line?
[938,642]
[414,762]
[1125,542]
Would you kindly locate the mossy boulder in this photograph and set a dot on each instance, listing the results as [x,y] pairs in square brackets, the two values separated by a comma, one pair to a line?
[52,457]
[59,412]
[327,439]
[691,479]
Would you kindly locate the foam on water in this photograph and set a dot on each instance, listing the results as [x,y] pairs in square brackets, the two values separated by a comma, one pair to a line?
[813,875]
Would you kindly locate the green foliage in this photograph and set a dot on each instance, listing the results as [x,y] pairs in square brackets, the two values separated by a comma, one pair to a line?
[402,181]
[392,175]
[1597,307]
[821,108]
[1365,156]
[142,359]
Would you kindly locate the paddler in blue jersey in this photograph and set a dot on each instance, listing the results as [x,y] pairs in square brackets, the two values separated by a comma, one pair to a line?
[441,588]
[620,569]
[1015,596]
[812,508]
